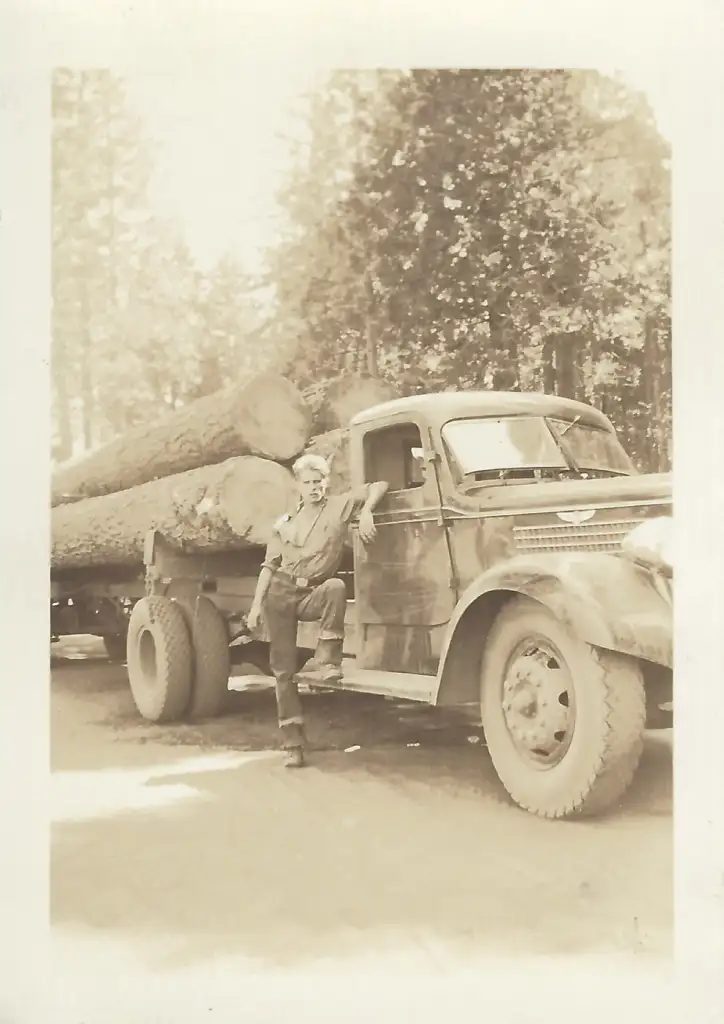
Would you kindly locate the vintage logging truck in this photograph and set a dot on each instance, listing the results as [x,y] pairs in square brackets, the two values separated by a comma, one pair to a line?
[510,579]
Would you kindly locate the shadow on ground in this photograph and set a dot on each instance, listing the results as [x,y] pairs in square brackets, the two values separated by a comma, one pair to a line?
[409,835]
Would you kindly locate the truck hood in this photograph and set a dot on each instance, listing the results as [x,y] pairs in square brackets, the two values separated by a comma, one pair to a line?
[641,488]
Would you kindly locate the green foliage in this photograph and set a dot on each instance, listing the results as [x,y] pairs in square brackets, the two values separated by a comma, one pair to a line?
[504,229]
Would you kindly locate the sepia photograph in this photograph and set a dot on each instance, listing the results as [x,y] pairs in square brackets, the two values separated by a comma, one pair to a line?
[365,471]
[360,620]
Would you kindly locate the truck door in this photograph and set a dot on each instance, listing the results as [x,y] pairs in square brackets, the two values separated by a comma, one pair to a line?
[402,580]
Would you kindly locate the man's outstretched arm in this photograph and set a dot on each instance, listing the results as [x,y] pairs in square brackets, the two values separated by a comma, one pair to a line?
[375,494]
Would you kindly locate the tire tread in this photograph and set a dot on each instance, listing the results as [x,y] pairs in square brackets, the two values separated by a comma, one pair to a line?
[210,656]
[619,738]
[173,647]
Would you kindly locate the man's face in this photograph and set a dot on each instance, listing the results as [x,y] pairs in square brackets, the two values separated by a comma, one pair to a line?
[312,486]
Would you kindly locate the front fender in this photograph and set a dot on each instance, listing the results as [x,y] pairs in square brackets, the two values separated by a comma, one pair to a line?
[605,599]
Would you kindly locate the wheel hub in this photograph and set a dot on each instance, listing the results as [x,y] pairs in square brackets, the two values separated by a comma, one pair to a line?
[536,706]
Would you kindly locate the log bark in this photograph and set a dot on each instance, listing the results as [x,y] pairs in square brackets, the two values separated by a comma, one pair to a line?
[262,414]
[227,506]
[334,402]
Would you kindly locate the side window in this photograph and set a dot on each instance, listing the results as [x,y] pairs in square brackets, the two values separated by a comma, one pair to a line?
[394,454]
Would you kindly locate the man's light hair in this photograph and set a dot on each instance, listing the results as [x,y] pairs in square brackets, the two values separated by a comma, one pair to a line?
[311,461]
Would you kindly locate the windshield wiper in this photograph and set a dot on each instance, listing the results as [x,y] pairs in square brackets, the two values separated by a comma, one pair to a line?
[563,445]
[569,425]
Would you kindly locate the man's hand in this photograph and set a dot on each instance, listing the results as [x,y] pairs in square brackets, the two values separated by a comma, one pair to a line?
[367,529]
[253,618]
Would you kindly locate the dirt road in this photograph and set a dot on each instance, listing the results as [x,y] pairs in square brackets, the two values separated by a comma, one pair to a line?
[185,858]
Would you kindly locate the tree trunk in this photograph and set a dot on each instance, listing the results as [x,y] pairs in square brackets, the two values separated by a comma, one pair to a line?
[513,362]
[565,372]
[86,352]
[334,402]
[549,368]
[496,346]
[579,360]
[64,448]
[210,377]
[263,414]
[505,374]
[86,370]
[370,328]
[216,508]
[652,396]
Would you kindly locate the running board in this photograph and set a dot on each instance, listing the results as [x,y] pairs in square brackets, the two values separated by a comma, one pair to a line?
[405,685]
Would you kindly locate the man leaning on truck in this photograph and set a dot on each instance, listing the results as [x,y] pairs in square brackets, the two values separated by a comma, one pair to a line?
[297,584]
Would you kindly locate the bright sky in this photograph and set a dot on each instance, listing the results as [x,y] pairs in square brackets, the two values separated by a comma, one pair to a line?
[222,148]
[222,152]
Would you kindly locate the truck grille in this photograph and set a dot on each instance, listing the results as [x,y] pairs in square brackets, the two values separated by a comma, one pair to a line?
[568,537]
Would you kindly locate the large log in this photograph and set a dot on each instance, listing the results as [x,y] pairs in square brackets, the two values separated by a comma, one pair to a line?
[333,403]
[224,507]
[261,414]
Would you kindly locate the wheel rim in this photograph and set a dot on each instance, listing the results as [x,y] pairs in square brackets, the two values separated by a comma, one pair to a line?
[538,702]
[147,657]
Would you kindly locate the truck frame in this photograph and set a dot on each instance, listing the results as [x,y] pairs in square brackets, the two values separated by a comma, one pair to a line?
[501,583]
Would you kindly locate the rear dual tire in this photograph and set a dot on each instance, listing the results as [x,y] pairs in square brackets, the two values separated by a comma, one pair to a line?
[211,658]
[159,659]
[178,659]
[116,646]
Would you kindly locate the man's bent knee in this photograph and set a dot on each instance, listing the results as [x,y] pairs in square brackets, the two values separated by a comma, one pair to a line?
[333,598]
[333,591]
[333,601]
[333,586]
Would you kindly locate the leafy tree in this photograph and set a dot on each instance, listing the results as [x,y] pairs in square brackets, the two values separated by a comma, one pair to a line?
[503,229]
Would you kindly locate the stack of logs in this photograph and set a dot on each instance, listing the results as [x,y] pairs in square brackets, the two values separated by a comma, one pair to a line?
[212,476]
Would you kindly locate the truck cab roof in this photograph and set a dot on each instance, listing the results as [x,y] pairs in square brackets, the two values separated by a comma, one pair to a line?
[438,409]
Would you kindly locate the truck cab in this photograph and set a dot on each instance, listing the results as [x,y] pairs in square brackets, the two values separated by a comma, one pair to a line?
[478,479]
[505,581]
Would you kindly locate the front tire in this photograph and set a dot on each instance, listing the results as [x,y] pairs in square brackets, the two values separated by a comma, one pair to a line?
[563,720]
[159,659]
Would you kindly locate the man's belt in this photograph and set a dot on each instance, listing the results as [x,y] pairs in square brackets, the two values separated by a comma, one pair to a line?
[302,581]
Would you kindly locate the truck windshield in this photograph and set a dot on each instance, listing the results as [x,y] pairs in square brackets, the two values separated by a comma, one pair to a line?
[525,446]
[592,448]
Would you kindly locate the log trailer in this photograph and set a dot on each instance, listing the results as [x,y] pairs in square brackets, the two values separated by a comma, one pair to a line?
[518,575]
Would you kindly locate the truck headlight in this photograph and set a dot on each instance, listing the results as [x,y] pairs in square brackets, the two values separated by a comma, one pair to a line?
[652,542]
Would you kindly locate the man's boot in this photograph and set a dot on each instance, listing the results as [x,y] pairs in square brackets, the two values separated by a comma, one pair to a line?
[326,665]
[295,758]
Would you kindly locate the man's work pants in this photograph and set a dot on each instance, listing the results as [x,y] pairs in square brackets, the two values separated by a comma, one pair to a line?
[286,605]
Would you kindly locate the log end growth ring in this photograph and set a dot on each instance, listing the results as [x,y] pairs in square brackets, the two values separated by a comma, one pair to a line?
[274,418]
[254,495]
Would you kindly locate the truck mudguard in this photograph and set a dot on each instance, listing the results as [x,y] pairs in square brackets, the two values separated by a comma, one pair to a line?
[605,599]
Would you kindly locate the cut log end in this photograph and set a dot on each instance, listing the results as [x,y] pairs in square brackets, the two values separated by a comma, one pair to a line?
[254,496]
[273,418]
